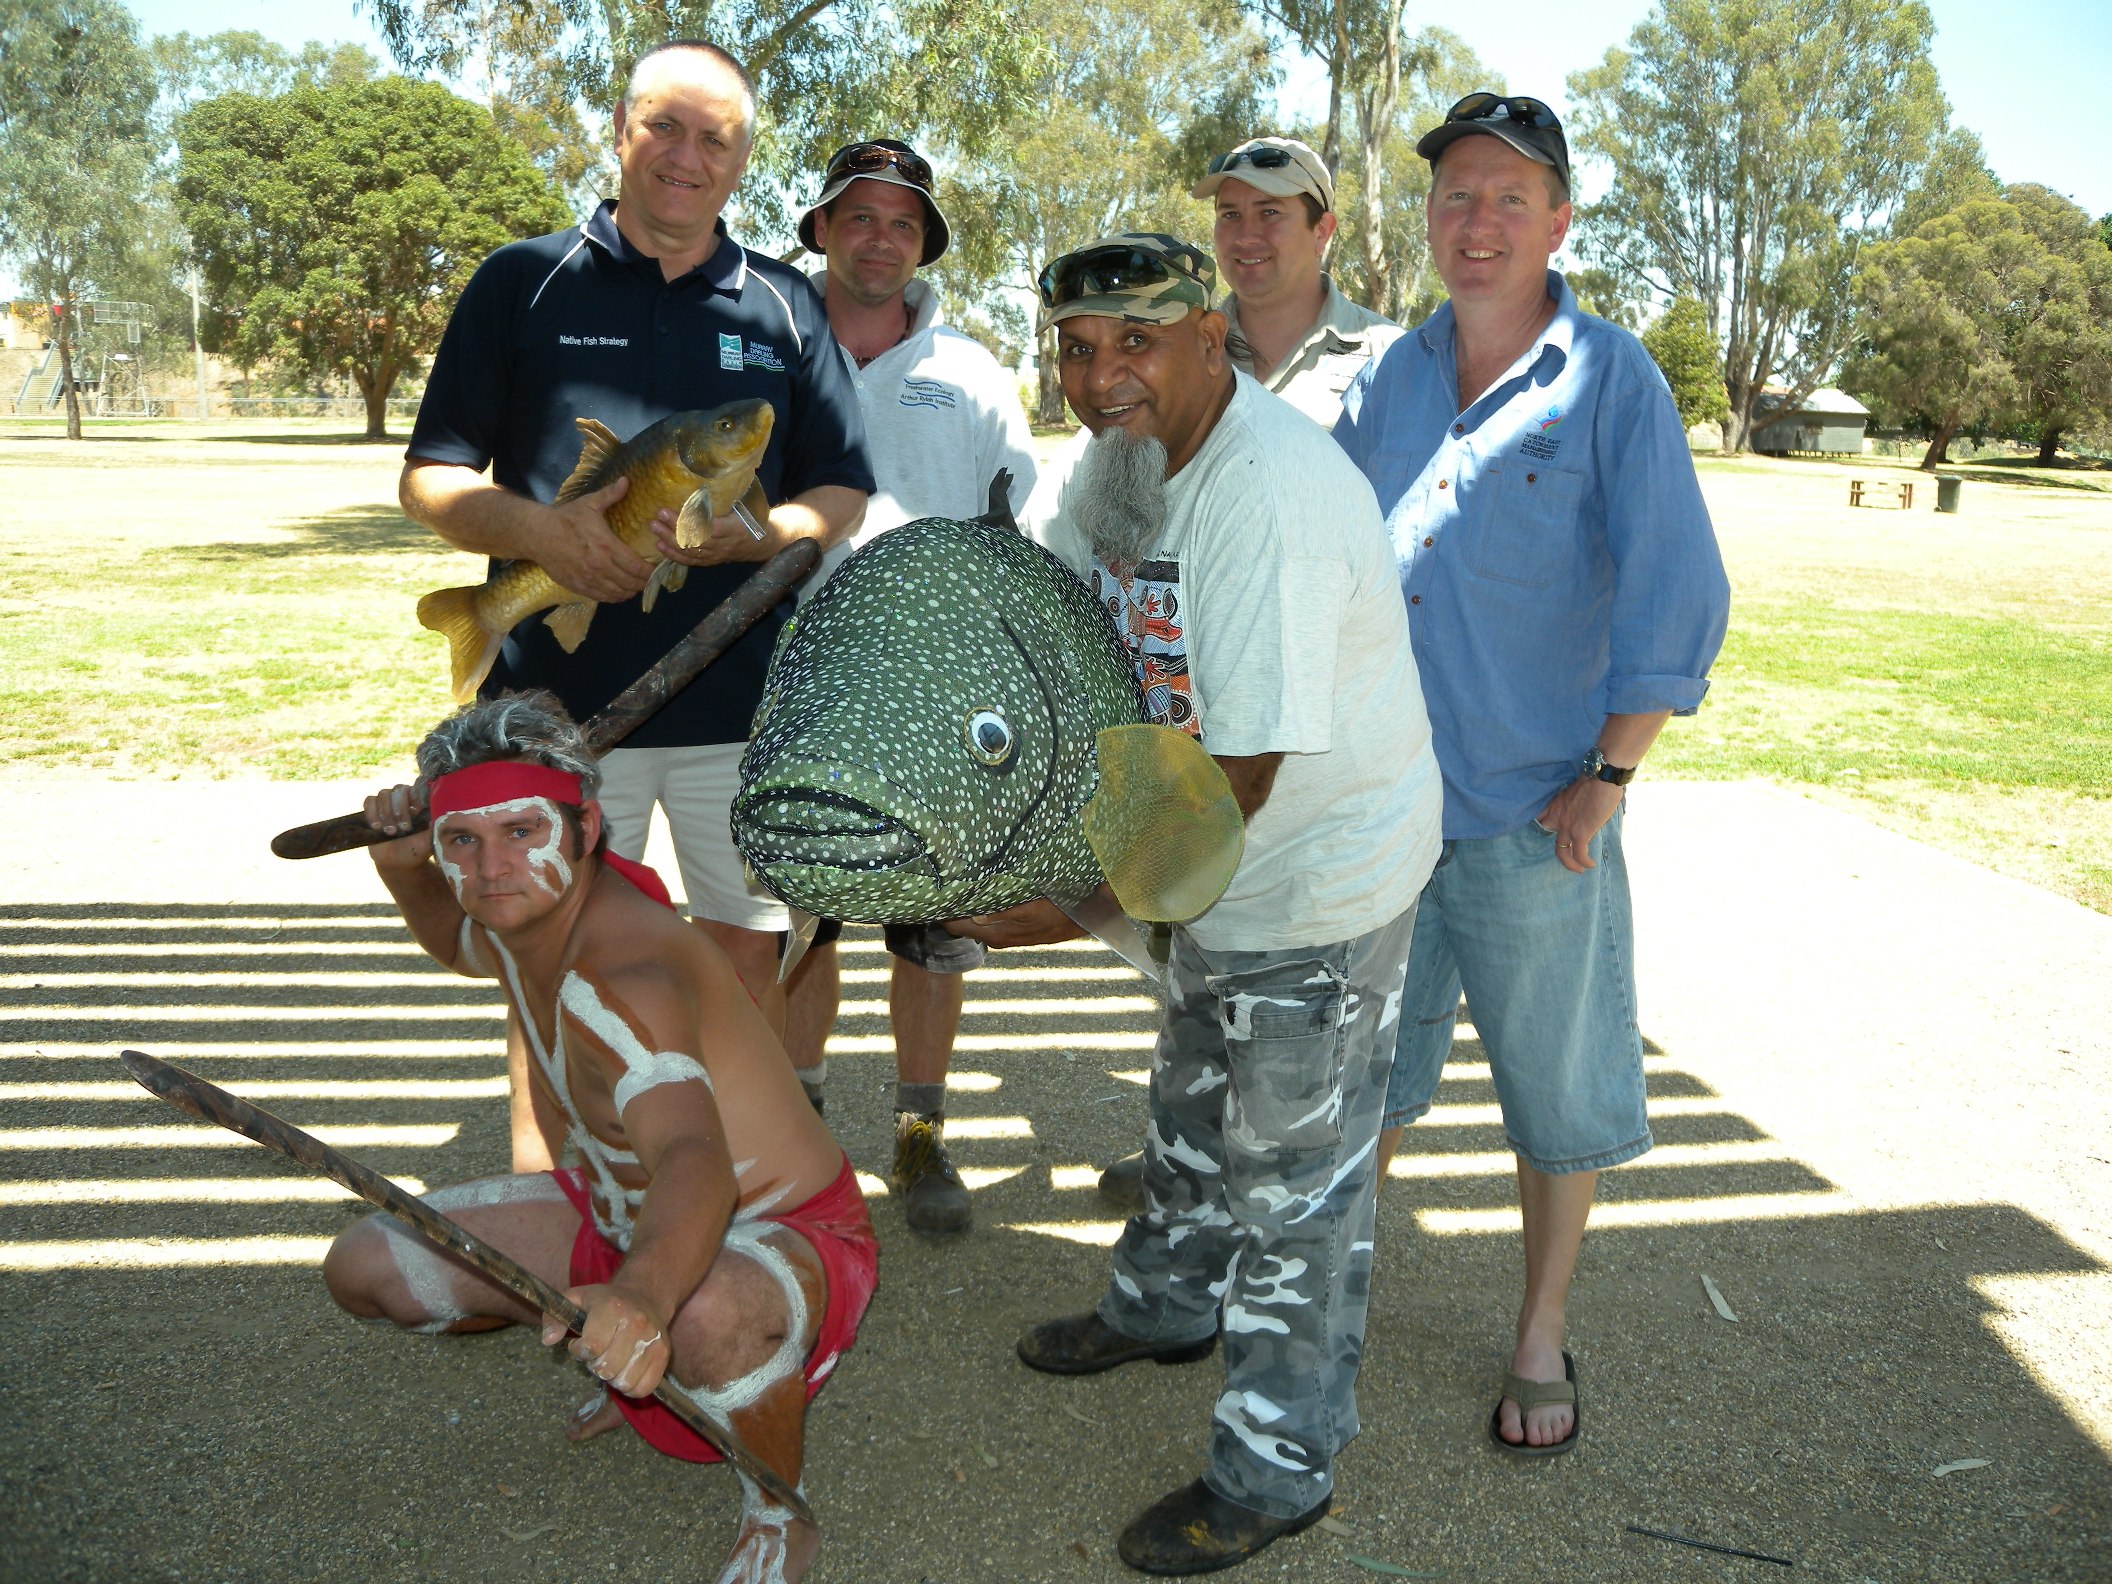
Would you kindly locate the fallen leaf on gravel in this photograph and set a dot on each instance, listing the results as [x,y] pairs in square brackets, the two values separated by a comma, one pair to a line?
[959,1478]
[1961,1466]
[106,1385]
[989,1462]
[505,1489]
[2055,1512]
[1075,1414]
[1716,1298]
[523,1536]
[1374,1565]
[1079,1547]
[1334,1526]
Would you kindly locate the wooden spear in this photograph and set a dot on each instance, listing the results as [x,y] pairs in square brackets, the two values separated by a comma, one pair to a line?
[623,714]
[208,1102]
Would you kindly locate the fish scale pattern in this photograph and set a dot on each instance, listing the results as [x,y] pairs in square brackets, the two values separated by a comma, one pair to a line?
[925,744]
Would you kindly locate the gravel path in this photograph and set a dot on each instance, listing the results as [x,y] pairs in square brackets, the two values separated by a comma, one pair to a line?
[1882,1092]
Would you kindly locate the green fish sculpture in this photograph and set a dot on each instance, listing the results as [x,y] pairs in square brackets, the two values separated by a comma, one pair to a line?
[951,726]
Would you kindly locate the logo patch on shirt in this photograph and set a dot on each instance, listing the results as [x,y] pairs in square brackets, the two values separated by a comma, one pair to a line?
[1539,443]
[926,393]
[764,357]
[1145,606]
[730,352]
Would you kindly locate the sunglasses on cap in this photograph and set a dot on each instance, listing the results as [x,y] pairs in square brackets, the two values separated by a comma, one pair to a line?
[1518,108]
[867,159]
[1097,272]
[1260,158]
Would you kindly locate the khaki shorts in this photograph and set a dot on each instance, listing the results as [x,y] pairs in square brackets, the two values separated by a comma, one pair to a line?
[695,786]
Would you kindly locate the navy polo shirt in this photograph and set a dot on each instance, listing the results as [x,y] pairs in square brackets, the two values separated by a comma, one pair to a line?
[580,324]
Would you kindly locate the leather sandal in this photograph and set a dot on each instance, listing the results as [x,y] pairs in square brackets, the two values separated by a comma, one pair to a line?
[1529,1395]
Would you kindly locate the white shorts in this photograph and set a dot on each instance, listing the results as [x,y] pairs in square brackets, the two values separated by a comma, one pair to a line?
[696,787]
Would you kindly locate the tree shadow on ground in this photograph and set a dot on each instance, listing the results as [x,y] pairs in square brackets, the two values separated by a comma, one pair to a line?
[1869,1349]
[349,530]
[297,439]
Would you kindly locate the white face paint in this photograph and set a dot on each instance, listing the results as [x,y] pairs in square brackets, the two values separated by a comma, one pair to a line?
[546,857]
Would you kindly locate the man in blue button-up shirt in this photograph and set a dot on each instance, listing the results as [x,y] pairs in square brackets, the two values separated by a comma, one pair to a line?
[1565,598]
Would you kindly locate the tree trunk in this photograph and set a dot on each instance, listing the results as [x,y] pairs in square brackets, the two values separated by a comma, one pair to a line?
[2049,443]
[73,394]
[1376,103]
[1939,447]
[1048,407]
[1338,63]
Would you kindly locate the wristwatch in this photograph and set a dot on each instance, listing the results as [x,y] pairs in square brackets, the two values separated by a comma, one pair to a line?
[1612,774]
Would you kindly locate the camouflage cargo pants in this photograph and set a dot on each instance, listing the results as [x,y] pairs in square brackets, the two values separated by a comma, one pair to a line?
[1266,1089]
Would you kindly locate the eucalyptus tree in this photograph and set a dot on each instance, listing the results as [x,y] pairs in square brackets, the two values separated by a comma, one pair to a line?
[75,87]
[1756,146]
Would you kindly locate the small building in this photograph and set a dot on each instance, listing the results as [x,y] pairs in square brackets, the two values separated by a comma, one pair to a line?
[1828,422]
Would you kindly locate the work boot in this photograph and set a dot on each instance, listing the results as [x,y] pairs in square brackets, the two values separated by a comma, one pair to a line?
[1086,1344]
[1122,1184]
[933,1196]
[1195,1530]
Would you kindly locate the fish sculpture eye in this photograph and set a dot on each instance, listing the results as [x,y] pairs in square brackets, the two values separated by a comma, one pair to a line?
[990,738]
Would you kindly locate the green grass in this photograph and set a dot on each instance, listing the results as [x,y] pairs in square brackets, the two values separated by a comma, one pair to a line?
[1897,694]
[242,604]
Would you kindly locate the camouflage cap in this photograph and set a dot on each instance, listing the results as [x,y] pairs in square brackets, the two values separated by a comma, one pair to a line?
[1146,276]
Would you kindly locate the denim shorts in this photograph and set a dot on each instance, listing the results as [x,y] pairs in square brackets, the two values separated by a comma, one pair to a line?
[931,947]
[1547,961]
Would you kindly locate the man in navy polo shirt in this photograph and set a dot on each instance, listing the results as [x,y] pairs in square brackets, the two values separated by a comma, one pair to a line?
[646,309]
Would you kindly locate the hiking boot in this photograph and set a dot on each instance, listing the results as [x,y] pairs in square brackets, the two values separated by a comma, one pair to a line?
[1122,1184]
[1086,1344]
[1195,1530]
[933,1196]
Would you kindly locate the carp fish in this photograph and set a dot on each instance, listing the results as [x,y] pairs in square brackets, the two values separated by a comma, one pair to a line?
[696,464]
[951,726]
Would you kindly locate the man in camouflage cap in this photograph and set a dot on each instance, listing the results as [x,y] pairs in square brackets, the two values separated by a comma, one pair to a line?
[1246,569]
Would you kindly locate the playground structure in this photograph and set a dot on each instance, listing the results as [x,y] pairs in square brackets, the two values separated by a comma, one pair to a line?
[108,372]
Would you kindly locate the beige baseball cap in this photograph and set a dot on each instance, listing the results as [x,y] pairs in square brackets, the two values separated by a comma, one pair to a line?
[1147,276]
[1280,167]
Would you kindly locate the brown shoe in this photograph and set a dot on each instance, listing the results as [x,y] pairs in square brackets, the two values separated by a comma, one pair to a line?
[1122,1184]
[1086,1344]
[934,1199]
[1195,1530]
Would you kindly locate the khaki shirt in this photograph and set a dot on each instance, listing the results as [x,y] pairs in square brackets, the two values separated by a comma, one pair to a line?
[1319,368]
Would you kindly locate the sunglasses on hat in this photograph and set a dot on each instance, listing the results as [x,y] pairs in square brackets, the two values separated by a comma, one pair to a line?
[1097,272]
[867,159]
[1488,106]
[1260,158]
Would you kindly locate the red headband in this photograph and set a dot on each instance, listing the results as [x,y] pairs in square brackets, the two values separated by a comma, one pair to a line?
[499,781]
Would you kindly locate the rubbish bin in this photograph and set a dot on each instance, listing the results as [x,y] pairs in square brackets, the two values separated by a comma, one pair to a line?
[1947,493]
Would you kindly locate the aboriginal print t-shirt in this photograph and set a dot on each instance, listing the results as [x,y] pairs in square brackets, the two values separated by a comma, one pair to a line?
[1144,603]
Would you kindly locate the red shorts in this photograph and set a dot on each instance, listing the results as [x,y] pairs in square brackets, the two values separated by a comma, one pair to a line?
[835,1225]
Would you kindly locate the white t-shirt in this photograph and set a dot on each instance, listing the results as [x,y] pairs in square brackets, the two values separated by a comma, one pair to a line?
[1268,616]
[941,417]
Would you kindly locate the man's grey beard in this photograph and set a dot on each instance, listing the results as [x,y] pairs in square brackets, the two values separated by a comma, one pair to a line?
[1117,495]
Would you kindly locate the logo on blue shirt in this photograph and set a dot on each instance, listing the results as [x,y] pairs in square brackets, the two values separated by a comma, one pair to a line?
[926,393]
[764,357]
[730,352]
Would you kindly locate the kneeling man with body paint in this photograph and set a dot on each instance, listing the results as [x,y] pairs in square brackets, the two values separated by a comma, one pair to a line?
[712,1227]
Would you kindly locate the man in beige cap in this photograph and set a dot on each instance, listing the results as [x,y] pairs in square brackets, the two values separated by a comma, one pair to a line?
[1252,585]
[1292,328]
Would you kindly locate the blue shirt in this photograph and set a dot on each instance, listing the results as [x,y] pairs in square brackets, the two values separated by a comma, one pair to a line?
[1554,550]
[580,324]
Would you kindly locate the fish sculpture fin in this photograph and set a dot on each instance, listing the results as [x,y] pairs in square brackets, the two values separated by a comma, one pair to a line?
[801,928]
[568,624]
[452,613]
[597,445]
[1105,921]
[1164,823]
[998,513]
